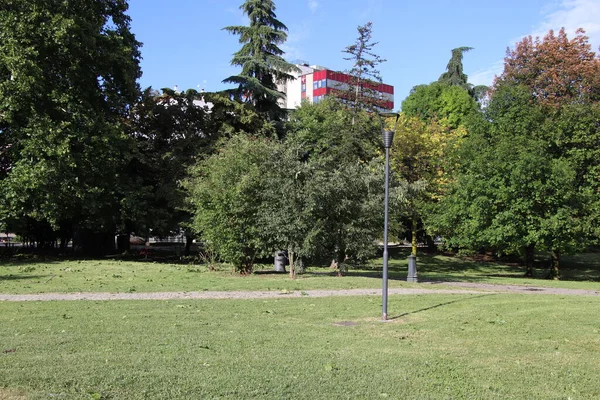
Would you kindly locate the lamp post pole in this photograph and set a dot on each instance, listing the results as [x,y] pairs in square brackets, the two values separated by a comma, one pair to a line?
[388,138]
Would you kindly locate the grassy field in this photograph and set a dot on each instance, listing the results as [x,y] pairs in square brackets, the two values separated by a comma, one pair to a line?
[436,347]
[43,275]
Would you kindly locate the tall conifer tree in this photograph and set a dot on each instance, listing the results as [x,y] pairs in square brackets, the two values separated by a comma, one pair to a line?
[260,58]
[364,75]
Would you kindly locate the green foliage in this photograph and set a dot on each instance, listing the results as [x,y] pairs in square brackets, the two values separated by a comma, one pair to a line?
[511,192]
[454,75]
[449,105]
[225,196]
[229,117]
[323,131]
[169,132]
[260,58]
[451,98]
[561,75]
[420,160]
[317,194]
[68,74]
[341,178]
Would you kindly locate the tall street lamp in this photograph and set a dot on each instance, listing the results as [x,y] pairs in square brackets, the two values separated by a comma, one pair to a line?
[388,138]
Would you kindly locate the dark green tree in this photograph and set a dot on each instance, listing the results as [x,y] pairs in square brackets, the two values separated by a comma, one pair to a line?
[169,133]
[260,58]
[340,181]
[454,74]
[68,75]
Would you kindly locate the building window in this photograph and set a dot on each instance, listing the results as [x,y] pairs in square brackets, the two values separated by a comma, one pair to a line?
[304,87]
[315,83]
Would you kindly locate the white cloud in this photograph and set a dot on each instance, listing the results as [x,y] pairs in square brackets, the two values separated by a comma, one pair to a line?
[486,76]
[570,14]
[373,8]
[297,35]
[313,5]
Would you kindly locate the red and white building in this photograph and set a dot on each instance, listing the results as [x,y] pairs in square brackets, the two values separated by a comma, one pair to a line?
[315,82]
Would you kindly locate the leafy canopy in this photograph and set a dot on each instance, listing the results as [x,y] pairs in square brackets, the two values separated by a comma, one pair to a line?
[556,69]
[68,75]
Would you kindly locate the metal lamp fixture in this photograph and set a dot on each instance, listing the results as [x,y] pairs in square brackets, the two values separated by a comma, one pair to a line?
[388,139]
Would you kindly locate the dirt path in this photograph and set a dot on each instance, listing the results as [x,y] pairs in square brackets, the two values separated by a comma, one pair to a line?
[428,288]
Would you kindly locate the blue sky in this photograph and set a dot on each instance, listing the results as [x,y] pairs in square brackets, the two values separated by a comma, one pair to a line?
[185,46]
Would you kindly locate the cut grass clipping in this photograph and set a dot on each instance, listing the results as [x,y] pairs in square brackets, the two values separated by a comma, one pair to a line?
[436,347]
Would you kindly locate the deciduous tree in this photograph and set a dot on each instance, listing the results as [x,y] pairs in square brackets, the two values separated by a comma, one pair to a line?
[510,192]
[169,134]
[556,69]
[225,195]
[419,159]
[68,74]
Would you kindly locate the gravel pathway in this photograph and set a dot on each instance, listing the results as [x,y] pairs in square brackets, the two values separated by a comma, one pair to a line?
[465,288]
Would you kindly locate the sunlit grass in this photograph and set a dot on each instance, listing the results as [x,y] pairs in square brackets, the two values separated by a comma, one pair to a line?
[43,275]
[436,347]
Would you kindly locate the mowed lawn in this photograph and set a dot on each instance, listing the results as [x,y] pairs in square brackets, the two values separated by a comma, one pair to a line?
[44,275]
[486,346]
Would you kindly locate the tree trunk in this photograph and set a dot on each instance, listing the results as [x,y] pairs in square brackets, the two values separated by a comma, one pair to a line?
[188,245]
[529,258]
[555,265]
[92,243]
[292,267]
[123,244]
[414,236]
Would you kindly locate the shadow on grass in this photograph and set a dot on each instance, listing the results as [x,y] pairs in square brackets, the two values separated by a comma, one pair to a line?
[21,277]
[270,272]
[441,305]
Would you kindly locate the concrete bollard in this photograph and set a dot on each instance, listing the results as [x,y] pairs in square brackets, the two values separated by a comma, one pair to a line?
[412,269]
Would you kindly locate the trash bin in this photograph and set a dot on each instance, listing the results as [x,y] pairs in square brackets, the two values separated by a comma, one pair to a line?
[280,261]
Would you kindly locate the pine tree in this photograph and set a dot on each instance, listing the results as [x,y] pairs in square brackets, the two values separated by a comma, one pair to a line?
[260,58]
[364,75]
[454,75]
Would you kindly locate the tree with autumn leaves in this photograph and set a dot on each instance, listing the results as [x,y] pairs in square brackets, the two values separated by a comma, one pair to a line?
[557,70]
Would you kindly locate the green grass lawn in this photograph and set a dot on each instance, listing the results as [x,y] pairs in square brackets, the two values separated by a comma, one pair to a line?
[436,347]
[43,275]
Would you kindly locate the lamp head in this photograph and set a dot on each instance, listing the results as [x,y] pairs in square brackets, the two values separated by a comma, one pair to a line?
[388,114]
[388,138]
